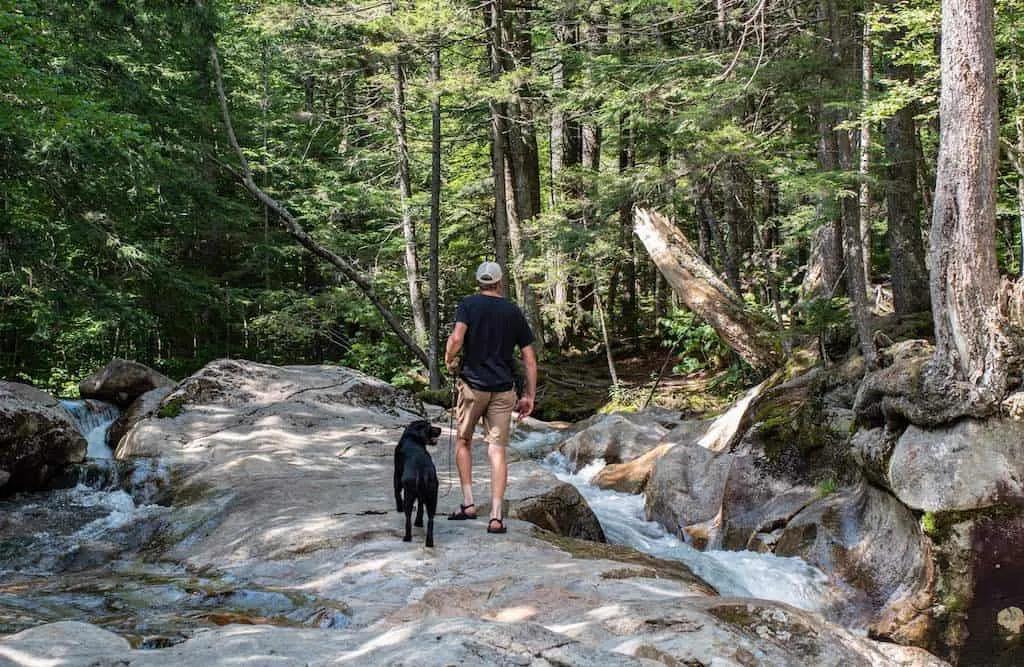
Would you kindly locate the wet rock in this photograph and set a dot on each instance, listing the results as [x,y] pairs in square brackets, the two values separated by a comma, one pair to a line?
[563,511]
[970,465]
[632,476]
[144,406]
[37,437]
[686,486]
[864,535]
[614,438]
[121,382]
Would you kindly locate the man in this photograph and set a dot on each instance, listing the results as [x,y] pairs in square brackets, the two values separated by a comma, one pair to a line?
[488,328]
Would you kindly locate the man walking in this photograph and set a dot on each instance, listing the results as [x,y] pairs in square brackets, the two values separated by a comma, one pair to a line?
[488,328]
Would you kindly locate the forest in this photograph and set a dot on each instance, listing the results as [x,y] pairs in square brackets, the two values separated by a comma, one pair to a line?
[314,182]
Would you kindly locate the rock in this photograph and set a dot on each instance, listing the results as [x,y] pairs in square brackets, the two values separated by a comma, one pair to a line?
[686,487]
[758,525]
[563,511]
[4,476]
[614,438]
[121,382]
[865,536]
[65,643]
[37,437]
[971,465]
[144,406]
[1011,620]
[871,449]
[632,476]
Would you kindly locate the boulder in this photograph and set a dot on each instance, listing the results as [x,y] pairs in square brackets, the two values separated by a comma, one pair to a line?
[686,487]
[37,438]
[865,536]
[121,382]
[970,465]
[632,476]
[144,406]
[562,510]
[614,438]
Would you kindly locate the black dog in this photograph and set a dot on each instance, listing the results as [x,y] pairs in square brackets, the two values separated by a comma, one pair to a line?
[416,475]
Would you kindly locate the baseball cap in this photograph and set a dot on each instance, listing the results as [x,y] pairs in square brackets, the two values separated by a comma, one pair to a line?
[488,273]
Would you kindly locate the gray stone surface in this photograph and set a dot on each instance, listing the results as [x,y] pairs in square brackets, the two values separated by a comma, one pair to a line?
[970,465]
[37,437]
[614,438]
[121,382]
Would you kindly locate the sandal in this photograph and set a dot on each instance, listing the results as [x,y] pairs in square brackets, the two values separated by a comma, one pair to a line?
[462,515]
[500,529]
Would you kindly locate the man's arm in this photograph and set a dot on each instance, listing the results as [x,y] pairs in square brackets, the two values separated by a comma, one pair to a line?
[454,346]
[525,404]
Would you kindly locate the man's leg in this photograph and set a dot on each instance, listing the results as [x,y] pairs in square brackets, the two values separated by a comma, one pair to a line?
[499,478]
[498,421]
[464,462]
[470,406]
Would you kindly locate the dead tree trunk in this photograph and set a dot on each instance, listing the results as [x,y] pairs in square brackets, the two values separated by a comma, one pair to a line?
[753,337]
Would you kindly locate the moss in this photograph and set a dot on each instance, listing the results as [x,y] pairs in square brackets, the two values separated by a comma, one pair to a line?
[653,567]
[171,409]
[442,397]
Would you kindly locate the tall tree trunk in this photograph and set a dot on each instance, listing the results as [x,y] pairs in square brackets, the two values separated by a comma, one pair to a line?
[964,272]
[826,265]
[412,276]
[752,336]
[523,161]
[853,253]
[1018,162]
[492,21]
[864,164]
[906,247]
[627,259]
[435,212]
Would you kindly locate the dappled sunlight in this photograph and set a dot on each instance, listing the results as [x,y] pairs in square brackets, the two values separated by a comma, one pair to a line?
[570,629]
[607,612]
[389,638]
[22,659]
[513,614]
[673,590]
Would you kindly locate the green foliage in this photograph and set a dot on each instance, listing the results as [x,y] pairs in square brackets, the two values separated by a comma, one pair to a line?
[171,409]
[698,346]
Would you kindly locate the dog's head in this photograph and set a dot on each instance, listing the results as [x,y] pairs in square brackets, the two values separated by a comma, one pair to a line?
[422,431]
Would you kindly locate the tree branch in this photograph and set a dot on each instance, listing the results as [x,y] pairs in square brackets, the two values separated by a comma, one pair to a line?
[293,227]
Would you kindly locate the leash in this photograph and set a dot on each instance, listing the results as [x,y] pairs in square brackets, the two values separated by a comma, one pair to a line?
[451,441]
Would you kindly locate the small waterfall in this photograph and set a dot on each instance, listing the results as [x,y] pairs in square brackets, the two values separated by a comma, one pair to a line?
[93,419]
[740,573]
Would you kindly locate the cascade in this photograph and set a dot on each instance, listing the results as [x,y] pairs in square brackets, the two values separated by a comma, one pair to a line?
[93,419]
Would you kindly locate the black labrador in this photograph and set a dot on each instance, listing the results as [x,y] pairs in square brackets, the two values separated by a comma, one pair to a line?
[416,475]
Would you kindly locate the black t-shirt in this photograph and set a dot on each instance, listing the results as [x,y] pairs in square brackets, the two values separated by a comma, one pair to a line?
[494,328]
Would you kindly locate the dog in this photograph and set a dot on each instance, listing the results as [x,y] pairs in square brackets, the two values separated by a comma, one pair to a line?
[416,476]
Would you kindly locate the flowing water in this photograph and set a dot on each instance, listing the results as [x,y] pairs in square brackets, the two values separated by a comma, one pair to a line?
[736,573]
[84,551]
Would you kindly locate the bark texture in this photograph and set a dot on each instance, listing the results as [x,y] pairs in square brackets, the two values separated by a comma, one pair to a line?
[753,337]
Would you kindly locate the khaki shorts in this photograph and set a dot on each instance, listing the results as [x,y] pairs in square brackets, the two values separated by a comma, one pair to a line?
[494,406]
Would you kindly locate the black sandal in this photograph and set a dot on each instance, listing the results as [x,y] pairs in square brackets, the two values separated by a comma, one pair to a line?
[461,515]
[500,529]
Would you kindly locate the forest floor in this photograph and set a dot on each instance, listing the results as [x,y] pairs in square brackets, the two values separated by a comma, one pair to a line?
[577,386]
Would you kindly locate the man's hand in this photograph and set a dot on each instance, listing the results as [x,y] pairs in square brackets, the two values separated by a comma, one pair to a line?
[524,406]
[453,367]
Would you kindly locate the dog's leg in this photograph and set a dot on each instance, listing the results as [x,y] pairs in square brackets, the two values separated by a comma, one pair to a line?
[409,500]
[419,510]
[431,502]
[399,465]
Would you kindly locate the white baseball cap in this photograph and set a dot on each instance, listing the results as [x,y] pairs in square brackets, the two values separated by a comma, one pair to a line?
[488,273]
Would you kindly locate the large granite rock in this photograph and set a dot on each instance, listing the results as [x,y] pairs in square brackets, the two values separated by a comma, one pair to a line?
[686,487]
[283,485]
[562,510]
[970,465]
[144,406]
[37,438]
[121,382]
[864,535]
[614,438]
[632,476]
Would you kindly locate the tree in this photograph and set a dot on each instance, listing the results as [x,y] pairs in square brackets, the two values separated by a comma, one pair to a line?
[970,362]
